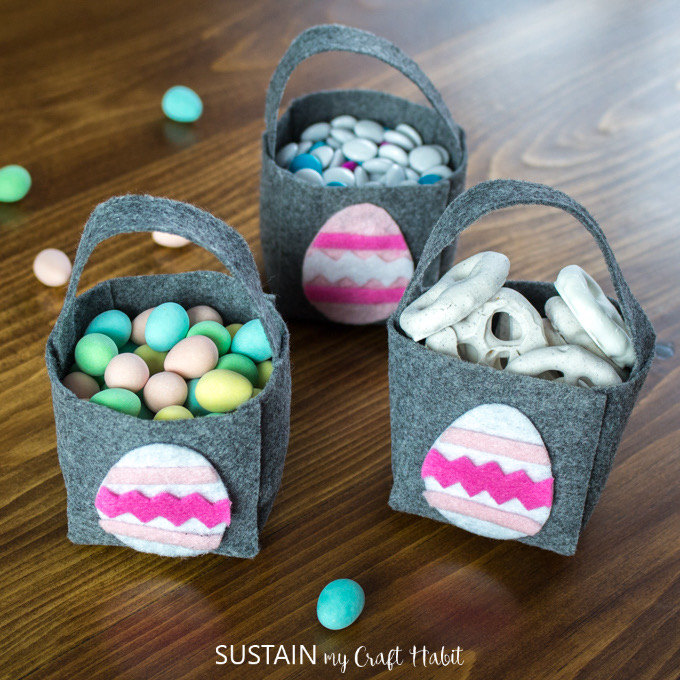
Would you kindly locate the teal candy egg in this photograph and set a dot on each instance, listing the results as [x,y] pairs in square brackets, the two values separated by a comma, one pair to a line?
[215,331]
[119,400]
[191,403]
[114,323]
[340,604]
[15,182]
[129,346]
[251,340]
[239,363]
[182,104]
[93,353]
[166,326]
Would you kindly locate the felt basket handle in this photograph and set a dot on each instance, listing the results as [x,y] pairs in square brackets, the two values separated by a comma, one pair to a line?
[503,193]
[131,214]
[338,38]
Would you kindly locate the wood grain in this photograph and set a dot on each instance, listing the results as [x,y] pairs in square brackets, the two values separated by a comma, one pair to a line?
[580,94]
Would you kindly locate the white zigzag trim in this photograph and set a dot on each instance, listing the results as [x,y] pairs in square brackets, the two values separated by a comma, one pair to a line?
[360,271]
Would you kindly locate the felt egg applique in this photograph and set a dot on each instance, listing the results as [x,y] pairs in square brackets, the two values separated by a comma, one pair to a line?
[489,473]
[357,267]
[164,499]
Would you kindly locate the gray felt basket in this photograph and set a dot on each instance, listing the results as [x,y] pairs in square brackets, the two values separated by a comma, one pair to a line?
[432,394]
[246,447]
[292,212]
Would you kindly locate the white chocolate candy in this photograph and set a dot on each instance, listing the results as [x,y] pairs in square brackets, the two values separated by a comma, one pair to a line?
[465,287]
[576,365]
[444,341]
[596,314]
[551,335]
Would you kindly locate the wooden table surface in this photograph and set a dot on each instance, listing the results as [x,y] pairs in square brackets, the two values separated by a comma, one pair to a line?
[583,95]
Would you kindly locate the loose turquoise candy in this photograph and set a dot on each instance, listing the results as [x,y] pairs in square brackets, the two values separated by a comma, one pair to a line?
[182,104]
[306,160]
[251,340]
[15,182]
[240,363]
[429,179]
[166,326]
[340,604]
[119,400]
[215,331]
[191,403]
[114,323]
[93,353]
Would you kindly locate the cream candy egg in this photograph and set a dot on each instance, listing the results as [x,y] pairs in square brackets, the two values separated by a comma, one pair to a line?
[165,389]
[128,371]
[139,326]
[169,240]
[82,385]
[52,267]
[203,313]
[192,357]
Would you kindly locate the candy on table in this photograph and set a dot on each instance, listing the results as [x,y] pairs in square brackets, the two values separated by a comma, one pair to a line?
[182,104]
[368,151]
[192,357]
[114,323]
[215,331]
[173,413]
[82,385]
[162,238]
[223,391]
[340,604]
[52,267]
[15,182]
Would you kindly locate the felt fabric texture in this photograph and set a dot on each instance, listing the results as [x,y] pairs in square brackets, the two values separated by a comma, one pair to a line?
[581,428]
[247,447]
[293,212]
[358,266]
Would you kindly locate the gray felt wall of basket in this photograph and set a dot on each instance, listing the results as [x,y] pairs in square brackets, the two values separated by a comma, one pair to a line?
[247,447]
[292,212]
[581,428]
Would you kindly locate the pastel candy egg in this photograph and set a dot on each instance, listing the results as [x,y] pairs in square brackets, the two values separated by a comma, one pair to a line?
[128,371]
[128,347]
[220,391]
[173,413]
[358,265]
[52,267]
[233,328]
[164,499]
[215,331]
[93,353]
[15,182]
[82,385]
[139,327]
[203,313]
[191,403]
[153,359]
[192,357]
[251,340]
[166,326]
[166,240]
[240,363]
[340,604]
[182,104]
[119,400]
[264,371]
[165,389]
[114,323]
[256,391]
[489,473]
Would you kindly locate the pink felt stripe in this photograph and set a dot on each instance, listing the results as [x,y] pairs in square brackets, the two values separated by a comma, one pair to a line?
[359,241]
[508,520]
[362,296]
[175,510]
[146,533]
[201,474]
[479,441]
[488,477]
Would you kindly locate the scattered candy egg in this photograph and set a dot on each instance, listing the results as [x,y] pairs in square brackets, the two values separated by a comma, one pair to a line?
[340,604]
[182,104]
[251,340]
[128,371]
[166,326]
[221,391]
[203,313]
[215,331]
[191,403]
[114,323]
[192,357]
[240,363]
[82,385]
[162,238]
[153,359]
[15,182]
[165,389]
[52,267]
[264,372]
[173,413]
[119,400]
[93,353]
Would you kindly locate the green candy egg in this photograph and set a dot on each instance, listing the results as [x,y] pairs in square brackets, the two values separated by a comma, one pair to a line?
[114,323]
[153,359]
[233,328]
[128,347]
[215,331]
[239,364]
[264,372]
[251,340]
[15,182]
[119,400]
[93,353]
[191,403]
[166,326]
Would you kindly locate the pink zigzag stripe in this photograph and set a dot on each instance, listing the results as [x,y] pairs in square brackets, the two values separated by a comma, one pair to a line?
[359,241]
[364,296]
[488,477]
[175,510]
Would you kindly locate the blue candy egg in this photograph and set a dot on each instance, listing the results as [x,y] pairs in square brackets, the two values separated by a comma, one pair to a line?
[429,179]
[192,403]
[182,104]
[114,323]
[336,184]
[166,326]
[340,604]
[251,340]
[305,160]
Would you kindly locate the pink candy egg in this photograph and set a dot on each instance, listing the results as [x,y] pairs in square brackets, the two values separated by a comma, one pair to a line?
[165,389]
[169,240]
[203,313]
[52,267]
[82,385]
[128,371]
[192,357]
[139,326]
